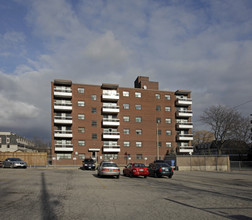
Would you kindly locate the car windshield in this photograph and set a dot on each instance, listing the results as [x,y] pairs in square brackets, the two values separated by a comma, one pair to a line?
[109,165]
[139,165]
[14,159]
[88,160]
[163,165]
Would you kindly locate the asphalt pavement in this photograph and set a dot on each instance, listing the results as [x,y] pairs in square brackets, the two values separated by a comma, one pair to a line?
[42,193]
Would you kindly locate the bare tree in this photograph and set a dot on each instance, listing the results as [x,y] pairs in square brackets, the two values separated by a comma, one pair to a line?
[202,136]
[224,123]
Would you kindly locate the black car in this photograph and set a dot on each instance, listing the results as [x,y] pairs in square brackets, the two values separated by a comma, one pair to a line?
[160,169]
[88,164]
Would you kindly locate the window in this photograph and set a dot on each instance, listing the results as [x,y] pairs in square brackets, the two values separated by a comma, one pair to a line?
[110,156]
[139,156]
[126,131]
[0,140]
[81,156]
[7,140]
[139,131]
[157,96]
[125,106]
[138,144]
[138,94]
[158,120]
[81,90]
[158,108]
[159,132]
[126,118]
[168,132]
[81,143]
[81,103]
[138,107]
[159,144]
[167,97]
[168,144]
[81,130]
[93,110]
[126,143]
[93,97]
[64,156]
[94,123]
[94,136]
[167,108]
[81,116]
[168,120]
[138,119]
[126,93]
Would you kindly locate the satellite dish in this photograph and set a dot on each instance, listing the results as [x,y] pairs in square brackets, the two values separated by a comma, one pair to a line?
[144,87]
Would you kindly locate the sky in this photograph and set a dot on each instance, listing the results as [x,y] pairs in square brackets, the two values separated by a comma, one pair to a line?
[200,45]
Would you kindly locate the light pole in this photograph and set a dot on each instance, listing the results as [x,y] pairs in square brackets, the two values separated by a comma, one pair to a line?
[157,144]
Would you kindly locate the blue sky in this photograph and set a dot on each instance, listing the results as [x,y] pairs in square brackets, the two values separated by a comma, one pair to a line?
[203,46]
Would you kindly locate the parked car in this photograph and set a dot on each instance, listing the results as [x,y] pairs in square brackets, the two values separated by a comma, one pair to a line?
[136,169]
[14,163]
[1,163]
[108,168]
[88,164]
[160,169]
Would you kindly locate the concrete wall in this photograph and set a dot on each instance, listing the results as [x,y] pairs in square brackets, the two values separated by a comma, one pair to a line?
[32,159]
[203,163]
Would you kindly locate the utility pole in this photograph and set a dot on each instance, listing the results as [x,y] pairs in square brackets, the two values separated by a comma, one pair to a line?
[157,144]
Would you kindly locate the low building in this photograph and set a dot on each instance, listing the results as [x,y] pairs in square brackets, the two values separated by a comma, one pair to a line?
[11,142]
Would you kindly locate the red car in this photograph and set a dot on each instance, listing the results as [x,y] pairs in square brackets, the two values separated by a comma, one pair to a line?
[136,169]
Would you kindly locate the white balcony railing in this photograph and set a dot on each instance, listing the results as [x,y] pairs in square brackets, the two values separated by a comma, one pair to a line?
[111,149]
[184,125]
[110,109]
[183,101]
[63,133]
[63,120]
[111,135]
[188,149]
[63,92]
[111,122]
[185,137]
[184,113]
[63,147]
[110,96]
[63,106]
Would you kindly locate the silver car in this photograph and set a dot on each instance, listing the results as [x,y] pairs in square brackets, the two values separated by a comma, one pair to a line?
[14,163]
[108,169]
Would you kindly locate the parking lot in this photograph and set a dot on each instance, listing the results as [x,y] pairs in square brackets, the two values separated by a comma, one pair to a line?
[72,193]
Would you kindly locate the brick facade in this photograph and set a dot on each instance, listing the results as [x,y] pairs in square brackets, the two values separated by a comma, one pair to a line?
[99,132]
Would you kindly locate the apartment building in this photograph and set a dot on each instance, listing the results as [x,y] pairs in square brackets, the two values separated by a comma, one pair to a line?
[109,122]
[11,142]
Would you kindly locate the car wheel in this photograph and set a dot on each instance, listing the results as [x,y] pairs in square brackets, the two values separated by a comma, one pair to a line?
[170,176]
[131,175]
[118,176]
[145,176]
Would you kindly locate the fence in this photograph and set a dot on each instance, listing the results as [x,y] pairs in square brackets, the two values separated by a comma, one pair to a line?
[241,165]
[203,163]
[31,158]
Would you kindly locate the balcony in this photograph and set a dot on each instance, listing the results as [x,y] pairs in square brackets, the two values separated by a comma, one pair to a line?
[184,113]
[188,149]
[184,125]
[110,96]
[62,93]
[63,120]
[111,149]
[111,135]
[63,134]
[63,106]
[63,147]
[183,101]
[184,137]
[111,122]
[110,109]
